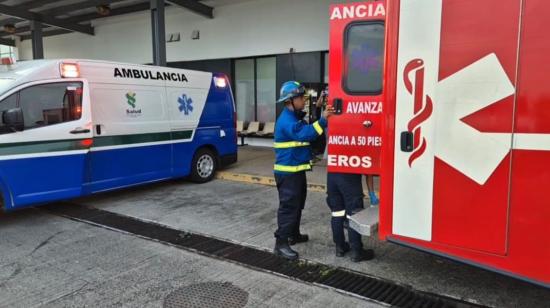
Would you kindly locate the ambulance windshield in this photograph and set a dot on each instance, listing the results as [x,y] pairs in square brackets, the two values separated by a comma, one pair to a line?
[364,61]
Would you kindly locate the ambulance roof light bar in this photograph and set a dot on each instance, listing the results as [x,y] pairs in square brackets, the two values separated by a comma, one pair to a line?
[70,70]
[8,61]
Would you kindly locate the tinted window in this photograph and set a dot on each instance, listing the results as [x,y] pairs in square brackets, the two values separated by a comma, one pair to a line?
[364,58]
[244,89]
[8,103]
[266,93]
[49,104]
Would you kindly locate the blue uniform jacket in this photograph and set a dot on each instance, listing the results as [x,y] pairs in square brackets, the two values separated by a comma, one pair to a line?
[291,142]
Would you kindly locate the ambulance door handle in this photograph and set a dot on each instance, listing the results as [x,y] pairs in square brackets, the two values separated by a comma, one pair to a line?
[407,141]
[337,104]
[80,131]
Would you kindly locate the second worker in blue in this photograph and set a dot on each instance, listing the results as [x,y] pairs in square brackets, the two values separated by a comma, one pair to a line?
[292,159]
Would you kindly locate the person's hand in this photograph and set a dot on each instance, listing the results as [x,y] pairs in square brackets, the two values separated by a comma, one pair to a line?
[319,103]
[329,111]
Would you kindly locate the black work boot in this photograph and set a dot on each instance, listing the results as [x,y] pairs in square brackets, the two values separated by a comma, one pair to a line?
[361,255]
[296,239]
[341,250]
[283,249]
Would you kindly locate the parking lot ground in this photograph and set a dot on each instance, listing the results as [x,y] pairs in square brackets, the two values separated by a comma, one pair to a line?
[245,213]
[50,261]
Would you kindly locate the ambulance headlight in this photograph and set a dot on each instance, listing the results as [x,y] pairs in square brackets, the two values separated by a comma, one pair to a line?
[220,82]
[70,70]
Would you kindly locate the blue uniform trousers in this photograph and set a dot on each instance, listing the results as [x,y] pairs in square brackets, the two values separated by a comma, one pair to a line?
[292,190]
[344,197]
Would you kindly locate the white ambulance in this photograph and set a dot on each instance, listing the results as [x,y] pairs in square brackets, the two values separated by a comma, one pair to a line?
[69,128]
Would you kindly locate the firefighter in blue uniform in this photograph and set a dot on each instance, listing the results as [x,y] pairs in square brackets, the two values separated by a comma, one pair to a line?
[344,198]
[292,160]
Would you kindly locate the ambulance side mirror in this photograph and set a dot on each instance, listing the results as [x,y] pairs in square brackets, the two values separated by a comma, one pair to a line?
[13,119]
[407,141]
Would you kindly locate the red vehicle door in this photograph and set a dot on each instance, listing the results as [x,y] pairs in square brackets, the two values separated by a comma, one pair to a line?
[454,108]
[356,65]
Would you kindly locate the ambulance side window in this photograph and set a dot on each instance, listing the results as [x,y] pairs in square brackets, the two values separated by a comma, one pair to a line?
[49,104]
[364,58]
[8,103]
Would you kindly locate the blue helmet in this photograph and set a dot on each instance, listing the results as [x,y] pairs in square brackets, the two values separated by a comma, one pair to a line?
[290,90]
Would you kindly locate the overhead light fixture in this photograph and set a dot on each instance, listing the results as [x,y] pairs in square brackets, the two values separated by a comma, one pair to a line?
[103,9]
[9,28]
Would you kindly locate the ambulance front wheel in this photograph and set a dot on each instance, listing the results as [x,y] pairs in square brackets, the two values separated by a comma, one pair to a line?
[204,166]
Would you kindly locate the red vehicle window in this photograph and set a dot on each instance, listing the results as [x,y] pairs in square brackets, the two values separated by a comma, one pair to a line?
[364,56]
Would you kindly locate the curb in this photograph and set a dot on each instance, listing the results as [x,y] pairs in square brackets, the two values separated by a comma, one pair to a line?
[261,180]
[266,181]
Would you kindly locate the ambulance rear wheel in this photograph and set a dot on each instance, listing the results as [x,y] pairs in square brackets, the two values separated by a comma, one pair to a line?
[204,166]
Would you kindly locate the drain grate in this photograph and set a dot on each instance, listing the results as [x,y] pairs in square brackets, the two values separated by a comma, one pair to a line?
[352,282]
[208,294]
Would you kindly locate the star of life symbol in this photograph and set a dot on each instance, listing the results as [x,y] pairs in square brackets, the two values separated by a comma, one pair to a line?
[481,84]
[186,104]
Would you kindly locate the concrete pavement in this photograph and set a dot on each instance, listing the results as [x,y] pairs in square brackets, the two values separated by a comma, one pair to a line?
[49,261]
[246,213]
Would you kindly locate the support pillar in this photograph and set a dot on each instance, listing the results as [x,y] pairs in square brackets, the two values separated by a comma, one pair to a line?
[159,32]
[37,43]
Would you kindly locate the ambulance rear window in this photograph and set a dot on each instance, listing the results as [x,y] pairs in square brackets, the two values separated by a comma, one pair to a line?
[364,58]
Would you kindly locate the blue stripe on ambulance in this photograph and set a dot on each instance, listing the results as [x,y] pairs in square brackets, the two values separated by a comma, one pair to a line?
[55,184]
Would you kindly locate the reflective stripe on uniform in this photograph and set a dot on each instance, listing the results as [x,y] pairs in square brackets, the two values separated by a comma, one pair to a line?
[339,213]
[290,144]
[299,168]
[318,128]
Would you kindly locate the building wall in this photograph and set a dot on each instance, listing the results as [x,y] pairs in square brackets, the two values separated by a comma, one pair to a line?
[249,28]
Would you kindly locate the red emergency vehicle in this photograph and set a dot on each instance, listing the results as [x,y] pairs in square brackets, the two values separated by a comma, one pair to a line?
[448,100]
